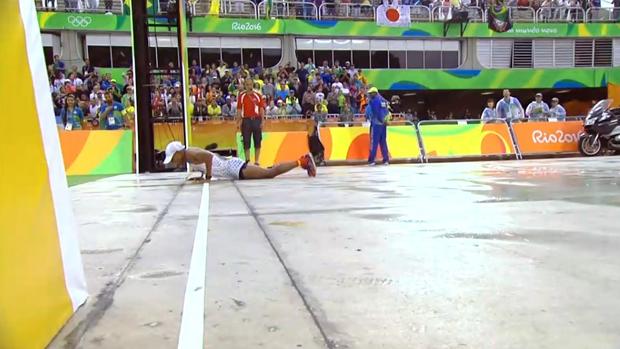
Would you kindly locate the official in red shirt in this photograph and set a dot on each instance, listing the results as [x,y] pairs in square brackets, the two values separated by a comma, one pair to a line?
[250,114]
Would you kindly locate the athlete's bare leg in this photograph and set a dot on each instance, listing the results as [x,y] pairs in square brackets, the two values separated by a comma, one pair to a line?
[256,172]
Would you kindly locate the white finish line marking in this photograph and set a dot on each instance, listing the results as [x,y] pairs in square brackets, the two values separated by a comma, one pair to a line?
[192,321]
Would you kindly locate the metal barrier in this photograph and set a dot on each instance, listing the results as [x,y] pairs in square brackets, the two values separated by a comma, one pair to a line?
[547,135]
[238,8]
[597,14]
[420,13]
[289,9]
[442,13]
[396,152]
[476,14]
[522,14]
[561,14]
[79,6]
[346,11]
[480,138]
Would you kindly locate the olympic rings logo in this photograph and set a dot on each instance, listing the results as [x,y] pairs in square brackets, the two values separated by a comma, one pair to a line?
[79,21]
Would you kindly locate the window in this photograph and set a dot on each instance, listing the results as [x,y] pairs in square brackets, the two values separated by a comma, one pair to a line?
[432,59]
[152,55]
[303,55]
[361,59]
[603,53]
[166,55]
[193,53]
[48,52]
[100,56]
[121,57]
[583,53]
[209,56]
[398,59]
[522,54]
[271,57]
[231,55]
[449,59]
[342,57]
[323,55]
[251,56]
[378,59]
[415,59]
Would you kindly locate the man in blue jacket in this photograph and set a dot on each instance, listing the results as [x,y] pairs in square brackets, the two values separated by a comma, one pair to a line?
[377,110]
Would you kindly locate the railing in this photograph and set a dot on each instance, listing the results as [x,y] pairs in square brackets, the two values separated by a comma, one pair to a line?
[522,14]
[442,13]
[596,14]
[112,6]
[238,8]
[289,9]
[346,11]
[420,13]
[561,14]
[445,13]
[476,14]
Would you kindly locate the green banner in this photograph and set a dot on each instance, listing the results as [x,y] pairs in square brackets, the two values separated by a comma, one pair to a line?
[459,79]
[216,26]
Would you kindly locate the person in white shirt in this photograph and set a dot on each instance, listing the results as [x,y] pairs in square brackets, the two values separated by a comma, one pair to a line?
[537,109]
[489,112]
[557,111]
[75,81]
[271,111]
[509,107]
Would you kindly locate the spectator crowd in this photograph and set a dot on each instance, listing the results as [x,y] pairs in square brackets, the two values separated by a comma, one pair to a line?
[83,96]
[307,90]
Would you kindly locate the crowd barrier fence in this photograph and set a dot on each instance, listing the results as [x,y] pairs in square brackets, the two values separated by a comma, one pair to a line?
[111,152]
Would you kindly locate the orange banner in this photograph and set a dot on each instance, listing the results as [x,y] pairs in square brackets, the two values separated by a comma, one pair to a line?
[220,132]
[548,137]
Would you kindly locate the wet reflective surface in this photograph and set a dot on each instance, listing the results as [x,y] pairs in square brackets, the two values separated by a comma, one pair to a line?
[511,254]
[505,254]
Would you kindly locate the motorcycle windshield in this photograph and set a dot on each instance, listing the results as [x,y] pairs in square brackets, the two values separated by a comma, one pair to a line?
[599,108]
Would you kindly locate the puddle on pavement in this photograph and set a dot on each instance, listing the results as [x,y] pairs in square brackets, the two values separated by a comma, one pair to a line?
[291,224]
[380,216]
[160,274]
[142,209]
[496,236]
[103,251]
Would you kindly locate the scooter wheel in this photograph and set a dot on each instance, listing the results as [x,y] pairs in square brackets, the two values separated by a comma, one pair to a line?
[589,147]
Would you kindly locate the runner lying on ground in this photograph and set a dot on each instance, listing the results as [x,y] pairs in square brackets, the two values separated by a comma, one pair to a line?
[211,164]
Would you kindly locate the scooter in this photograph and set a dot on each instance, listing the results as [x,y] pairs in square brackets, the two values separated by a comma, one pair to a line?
[602,130]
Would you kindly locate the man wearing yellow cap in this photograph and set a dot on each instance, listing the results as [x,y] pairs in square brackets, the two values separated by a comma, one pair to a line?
[377,111]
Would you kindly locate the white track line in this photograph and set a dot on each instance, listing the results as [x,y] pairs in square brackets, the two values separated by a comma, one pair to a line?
[192,321]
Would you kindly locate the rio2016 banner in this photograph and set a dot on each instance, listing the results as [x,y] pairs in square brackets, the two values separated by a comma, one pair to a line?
[462,139]
[548,137]
[223,132]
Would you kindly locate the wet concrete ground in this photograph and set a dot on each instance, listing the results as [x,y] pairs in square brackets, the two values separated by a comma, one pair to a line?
[510,254]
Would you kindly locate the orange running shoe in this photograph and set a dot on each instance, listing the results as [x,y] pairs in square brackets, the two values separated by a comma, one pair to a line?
[307,163]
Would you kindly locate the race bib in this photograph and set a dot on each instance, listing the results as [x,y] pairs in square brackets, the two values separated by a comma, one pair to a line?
[111,121]
[68,126]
